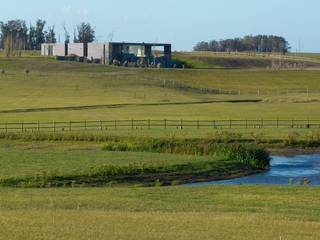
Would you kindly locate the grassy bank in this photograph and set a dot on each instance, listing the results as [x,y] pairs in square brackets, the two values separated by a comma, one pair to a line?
[45,164]
[219,212]
[189,139]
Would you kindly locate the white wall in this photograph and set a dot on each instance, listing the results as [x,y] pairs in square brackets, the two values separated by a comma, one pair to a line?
[95,50]
[45,49]
[59,49]
[75,49]
[98,51]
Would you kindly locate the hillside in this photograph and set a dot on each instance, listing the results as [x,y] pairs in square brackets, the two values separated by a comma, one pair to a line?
[63,91]
[247,60]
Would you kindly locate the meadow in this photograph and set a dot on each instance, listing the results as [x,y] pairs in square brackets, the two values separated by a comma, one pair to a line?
[33,88]
[52,89]
[216,212]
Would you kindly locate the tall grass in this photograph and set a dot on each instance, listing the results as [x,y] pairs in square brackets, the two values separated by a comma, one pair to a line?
[250,155]
[224,160]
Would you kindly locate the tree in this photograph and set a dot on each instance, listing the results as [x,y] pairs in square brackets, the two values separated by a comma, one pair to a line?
[50,35]
[17,31]
[66,34]
[85,33]
[259,43]
[39,33]
[202,46]
[32,39]
[8,48]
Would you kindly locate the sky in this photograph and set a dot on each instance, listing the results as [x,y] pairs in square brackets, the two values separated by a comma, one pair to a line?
[180,22]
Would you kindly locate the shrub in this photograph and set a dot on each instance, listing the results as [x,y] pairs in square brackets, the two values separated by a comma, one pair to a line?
[225,136]
[257,137]
[114,147]
[292,139]
[312,139]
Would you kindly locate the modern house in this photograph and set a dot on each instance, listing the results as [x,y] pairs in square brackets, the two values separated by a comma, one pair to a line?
[119,53]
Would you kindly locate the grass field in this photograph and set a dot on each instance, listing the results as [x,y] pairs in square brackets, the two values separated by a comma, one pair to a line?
[33,88]
[217,212]
[48,164]
[61,85]
[25,159]
[245,59]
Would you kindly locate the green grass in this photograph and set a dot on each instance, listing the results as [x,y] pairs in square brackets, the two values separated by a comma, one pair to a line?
[63,85]
[216,212]
[243,59]
[23,159]
[45,164]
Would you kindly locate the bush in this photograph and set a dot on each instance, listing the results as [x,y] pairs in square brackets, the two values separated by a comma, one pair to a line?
[225,136]
[257,137]
[312,139]
[114,147]
[292,139]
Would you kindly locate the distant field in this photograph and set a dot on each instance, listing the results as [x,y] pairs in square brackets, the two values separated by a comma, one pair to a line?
[204,213]
[52,84]
[245,59]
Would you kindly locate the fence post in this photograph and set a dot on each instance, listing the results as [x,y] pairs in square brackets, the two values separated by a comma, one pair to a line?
[85,125]
[22,126]
[132,124]
[181,124]
[100,122]
[165,124]
[54,126]
[38,126]
[6,126]
[262,123]
[277,123]
[198,124]
[70,127]
[115,124]
[149,124]
[292,123]
[230,123]
[214,124]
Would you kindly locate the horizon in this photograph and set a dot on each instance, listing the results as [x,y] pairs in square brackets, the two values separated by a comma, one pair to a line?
[134,23]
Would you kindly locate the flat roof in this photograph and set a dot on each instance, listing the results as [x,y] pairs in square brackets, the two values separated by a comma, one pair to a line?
[142,44]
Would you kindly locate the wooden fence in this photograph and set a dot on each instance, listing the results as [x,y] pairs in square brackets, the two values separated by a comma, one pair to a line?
[154,124]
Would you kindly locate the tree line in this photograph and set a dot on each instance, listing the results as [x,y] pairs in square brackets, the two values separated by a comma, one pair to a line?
[259,43]
[17,35]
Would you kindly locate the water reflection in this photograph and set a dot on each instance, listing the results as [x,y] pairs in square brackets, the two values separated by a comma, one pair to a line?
[282,169]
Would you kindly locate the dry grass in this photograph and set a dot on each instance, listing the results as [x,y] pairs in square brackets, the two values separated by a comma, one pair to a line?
[220,212]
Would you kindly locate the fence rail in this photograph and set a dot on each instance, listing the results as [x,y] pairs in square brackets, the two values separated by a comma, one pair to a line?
[56,126]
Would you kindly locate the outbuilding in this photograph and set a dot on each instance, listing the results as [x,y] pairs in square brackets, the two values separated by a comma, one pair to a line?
[120,53]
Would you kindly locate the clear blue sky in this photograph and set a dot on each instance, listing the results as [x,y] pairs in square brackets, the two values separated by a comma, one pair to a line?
[181,22]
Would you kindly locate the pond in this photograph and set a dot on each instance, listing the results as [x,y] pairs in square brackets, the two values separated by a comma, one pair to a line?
[281,171]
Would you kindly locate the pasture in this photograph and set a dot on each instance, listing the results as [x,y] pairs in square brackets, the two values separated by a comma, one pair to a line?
[217,212]
[33,88]
[176,94]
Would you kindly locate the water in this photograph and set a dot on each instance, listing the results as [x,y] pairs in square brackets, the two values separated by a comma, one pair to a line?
[282,169]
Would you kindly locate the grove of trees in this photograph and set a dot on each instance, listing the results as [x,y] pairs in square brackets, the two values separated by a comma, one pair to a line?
[259,43]
[17,35]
